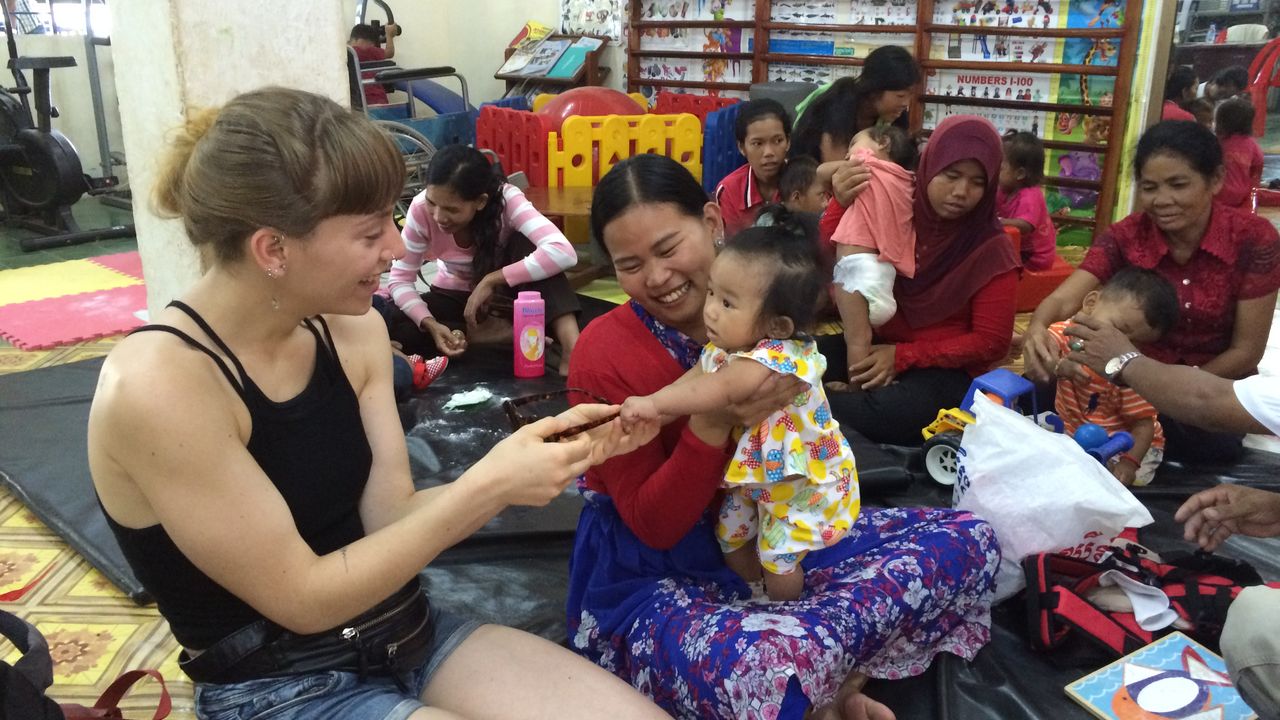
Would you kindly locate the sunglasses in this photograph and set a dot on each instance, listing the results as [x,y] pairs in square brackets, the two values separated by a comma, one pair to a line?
[511,407]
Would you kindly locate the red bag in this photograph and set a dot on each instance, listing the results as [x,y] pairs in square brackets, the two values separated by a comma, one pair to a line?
[24,683]
[1200,588]
[108,704]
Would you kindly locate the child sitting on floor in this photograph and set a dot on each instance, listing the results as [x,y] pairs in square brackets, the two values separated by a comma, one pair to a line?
[1144,306]
[1241,156]
[875,240]
[1020,201]
[801,187]
[792,482]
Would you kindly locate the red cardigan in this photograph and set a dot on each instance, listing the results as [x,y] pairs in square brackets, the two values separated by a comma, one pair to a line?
[975,338]
[663,488]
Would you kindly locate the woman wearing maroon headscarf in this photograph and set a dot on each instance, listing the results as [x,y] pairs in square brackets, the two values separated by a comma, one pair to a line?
[955,317]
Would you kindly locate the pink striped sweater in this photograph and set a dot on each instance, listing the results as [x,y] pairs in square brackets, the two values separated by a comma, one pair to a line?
[424,241]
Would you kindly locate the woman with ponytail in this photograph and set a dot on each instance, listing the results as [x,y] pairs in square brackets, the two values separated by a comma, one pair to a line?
[488,243]
[828,119]
[249,458]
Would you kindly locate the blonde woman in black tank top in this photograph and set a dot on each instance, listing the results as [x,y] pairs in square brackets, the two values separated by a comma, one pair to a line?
[248,455]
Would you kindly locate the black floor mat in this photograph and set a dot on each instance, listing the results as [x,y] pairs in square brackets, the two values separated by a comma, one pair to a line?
[514,571]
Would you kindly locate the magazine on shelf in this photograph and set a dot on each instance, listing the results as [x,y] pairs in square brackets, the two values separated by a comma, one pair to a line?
[544,57]
[574,57]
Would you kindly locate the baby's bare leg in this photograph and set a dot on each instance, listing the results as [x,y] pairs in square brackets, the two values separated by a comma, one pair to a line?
[743,561]
[784,587]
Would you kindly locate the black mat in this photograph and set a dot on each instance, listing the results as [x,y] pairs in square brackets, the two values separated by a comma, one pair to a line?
[514,571]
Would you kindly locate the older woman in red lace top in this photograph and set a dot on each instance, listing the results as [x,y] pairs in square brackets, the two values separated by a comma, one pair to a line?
[1224,264]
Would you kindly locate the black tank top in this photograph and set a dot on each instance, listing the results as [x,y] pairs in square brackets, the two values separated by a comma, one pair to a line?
[314,450]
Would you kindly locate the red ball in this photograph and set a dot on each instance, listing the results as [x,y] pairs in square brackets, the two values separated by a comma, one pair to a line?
[588,100]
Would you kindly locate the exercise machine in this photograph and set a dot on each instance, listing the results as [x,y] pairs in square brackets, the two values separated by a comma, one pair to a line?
[40,172]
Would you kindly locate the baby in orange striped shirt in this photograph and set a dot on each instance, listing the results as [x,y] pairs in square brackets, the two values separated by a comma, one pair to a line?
[1144,306]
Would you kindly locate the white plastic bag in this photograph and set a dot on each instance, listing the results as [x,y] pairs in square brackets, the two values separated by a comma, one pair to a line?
[1039,490]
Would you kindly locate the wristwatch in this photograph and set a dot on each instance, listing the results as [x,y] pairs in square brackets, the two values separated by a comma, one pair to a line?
[1116,365]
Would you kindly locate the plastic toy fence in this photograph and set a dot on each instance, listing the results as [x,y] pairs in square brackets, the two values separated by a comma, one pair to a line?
[669,103]
[521,139]
[446,129]
[587,147]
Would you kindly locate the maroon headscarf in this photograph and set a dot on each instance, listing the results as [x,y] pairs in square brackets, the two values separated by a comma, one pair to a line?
[955,258]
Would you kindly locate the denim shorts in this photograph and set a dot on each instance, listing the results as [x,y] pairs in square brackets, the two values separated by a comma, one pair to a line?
[333,694]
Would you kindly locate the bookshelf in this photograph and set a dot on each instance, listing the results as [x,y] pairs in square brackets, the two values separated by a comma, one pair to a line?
[591,71]
[1065,75]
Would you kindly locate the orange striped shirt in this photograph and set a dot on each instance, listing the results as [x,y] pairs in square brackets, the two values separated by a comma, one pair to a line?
[1099,400]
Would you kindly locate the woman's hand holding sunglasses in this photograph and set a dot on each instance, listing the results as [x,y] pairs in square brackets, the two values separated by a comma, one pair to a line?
[611,438]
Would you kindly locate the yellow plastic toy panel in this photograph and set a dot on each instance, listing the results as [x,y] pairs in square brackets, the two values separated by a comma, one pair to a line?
[587,147]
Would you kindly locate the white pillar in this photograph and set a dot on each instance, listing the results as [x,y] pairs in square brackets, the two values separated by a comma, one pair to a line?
[173,57]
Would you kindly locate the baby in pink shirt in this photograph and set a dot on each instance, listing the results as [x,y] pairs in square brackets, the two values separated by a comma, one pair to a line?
[1020,201]
[875,241]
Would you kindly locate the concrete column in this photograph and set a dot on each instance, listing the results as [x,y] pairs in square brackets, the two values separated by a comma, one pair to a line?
[173,57]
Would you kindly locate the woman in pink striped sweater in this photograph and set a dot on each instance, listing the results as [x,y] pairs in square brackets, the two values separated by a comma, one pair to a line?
[488,243]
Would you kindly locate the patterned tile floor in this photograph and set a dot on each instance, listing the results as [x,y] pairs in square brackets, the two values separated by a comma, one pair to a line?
[94,631]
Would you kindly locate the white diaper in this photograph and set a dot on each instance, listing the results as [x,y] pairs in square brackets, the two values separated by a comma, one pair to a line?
[868,275]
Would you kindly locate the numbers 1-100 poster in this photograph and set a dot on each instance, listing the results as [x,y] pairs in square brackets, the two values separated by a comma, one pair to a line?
[992,83]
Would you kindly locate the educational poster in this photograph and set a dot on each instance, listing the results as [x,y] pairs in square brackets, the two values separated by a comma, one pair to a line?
[1095,14]
[995,48]
[991,85]
[850,45]
[1088,90]
[592,17]
[1019,14]
[695,69]
[1076,165]
[880,12]
[708,40]
[730,40]
[788,72]
[817,12]
[697,9]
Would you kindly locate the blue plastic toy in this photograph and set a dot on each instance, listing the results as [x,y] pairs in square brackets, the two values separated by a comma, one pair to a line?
[1090,435]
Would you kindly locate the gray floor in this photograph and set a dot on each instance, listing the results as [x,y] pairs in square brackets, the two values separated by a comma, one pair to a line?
[89,213]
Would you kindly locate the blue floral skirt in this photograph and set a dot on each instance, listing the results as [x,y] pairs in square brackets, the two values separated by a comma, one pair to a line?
[904,585]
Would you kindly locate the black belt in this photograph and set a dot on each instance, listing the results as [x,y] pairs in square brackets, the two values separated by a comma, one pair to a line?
[391,638]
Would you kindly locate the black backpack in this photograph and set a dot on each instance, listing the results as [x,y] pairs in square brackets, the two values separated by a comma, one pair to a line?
[24,683]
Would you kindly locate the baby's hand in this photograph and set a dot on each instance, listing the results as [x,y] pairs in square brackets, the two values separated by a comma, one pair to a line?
[637,410]
[1125,472]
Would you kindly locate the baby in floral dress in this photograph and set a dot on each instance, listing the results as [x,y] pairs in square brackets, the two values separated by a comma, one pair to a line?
[792,483]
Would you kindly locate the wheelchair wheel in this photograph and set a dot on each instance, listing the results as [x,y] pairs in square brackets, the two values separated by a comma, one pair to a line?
[417,151]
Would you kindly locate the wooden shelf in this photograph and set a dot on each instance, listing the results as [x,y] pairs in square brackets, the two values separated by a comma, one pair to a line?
[1055,181]
[1073,220]
[805,59]
[996,66]
[642,24]
[1082,147]
[694,54]
[591,72]
[928,36]
[1016,104]
[1025,32]
[695,84]
[850,29]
